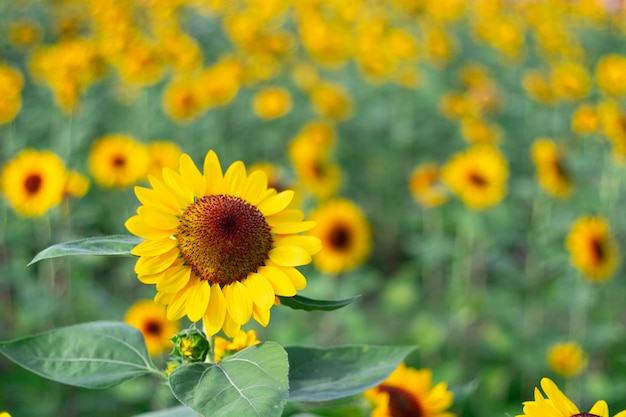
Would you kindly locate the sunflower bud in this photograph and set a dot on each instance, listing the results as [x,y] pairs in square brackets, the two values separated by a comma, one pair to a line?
[191,345]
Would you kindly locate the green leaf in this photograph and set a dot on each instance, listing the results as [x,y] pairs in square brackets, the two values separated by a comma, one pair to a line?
[298,302]
[252,382]
[114,245]
[90,355]
[180,411]
[322,374]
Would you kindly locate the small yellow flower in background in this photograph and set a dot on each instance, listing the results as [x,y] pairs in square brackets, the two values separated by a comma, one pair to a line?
[305,75]
[223,347]
[426,186]
[219,246]
[272,103]
[181,101]
[150,319]
[538,87]
[570,81]
[162,154]
[567,359]
[25,33]
[592,248]
[439,46]
[11,83]
[454,105]
[76,185]
[219,84]
[585,120]
[478,176]
[552,402]
[118,160]
[33,182]
[478,132]
[552,173]
[611,74]
[331,100]
[410,392]
[345,234]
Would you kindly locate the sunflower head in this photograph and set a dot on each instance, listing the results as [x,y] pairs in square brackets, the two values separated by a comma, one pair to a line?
[150,319]
[219,247]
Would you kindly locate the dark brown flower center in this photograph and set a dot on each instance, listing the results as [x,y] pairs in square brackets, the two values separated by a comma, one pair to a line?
[119,161]
[223,238]
[32,183]
[598,250]
[152,327]
[585,415]
[340,237]
[477,179]
[401,402]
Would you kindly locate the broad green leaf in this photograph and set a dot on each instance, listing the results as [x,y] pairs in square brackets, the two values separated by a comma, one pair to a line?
[180,411]
[298,302]
[114,245]
[322,374]
[90,355]
[251,383]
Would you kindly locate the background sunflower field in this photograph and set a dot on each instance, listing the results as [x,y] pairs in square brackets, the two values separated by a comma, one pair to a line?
[464,160]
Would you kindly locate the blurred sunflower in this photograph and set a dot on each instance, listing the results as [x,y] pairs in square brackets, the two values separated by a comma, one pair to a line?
[556,404]
[570,81]
[426,186]
[331,100]
[272,103]
[219,247]
[223,347]
[567,359]
[118,161]
[162,154]
[345,234]
[33,182]
[611,74]
[478,175]
[76,185]
[592,248]
[150,319]
[181,101]
[552,173]
[410,392]
[585,120]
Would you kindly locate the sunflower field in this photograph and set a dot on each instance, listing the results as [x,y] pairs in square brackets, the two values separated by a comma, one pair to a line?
[426,195]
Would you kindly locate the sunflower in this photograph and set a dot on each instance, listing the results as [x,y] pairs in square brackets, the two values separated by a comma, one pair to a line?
[219,247]
[180,100]
[345,234]
[552,173]
[592,248]
[556,404]
[478,176]
[118,161]
[150,319]
[76,185]
[410,392]
[567,359]
[272,103]
[426,186]
[223,347]
[585,120]
[33,182]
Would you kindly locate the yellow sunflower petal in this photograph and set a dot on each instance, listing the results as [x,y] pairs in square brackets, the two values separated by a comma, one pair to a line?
[289,228]
[234,178]
[557,397]
[231,328]
[286,216]
[213,174]
[178,306]
[600,408]
[151,198]
[216,311]
[189,171]
[175,279]
[158,218]
[289,255]
[238,302]
[150,278]
[260,290]
[163,189]
[147,265]
[279,280]
[137,226]
[254,187]
[261,315]
[154,247]
[275,203]
[178,185]
[198,300]
[311,244]
[297,279]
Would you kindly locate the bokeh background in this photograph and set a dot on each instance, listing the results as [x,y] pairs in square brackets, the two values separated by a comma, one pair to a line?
[464,161]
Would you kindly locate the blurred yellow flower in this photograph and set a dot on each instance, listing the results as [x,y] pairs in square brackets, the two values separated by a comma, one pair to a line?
[224,348]
[592,248]
[410,392]
[76,185]
[570,81]
[478,176]
[25,33]
[345,235]
[538,87]
[118,160]
[552,173]
[611,74]
[162,154]
[219,84]
[585,120]
[331,100]
[426,185]
[181,100]
[567,359]
[33,182]
[150,319]
[478,132]
[272,102]
[219,246]
[11,83]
